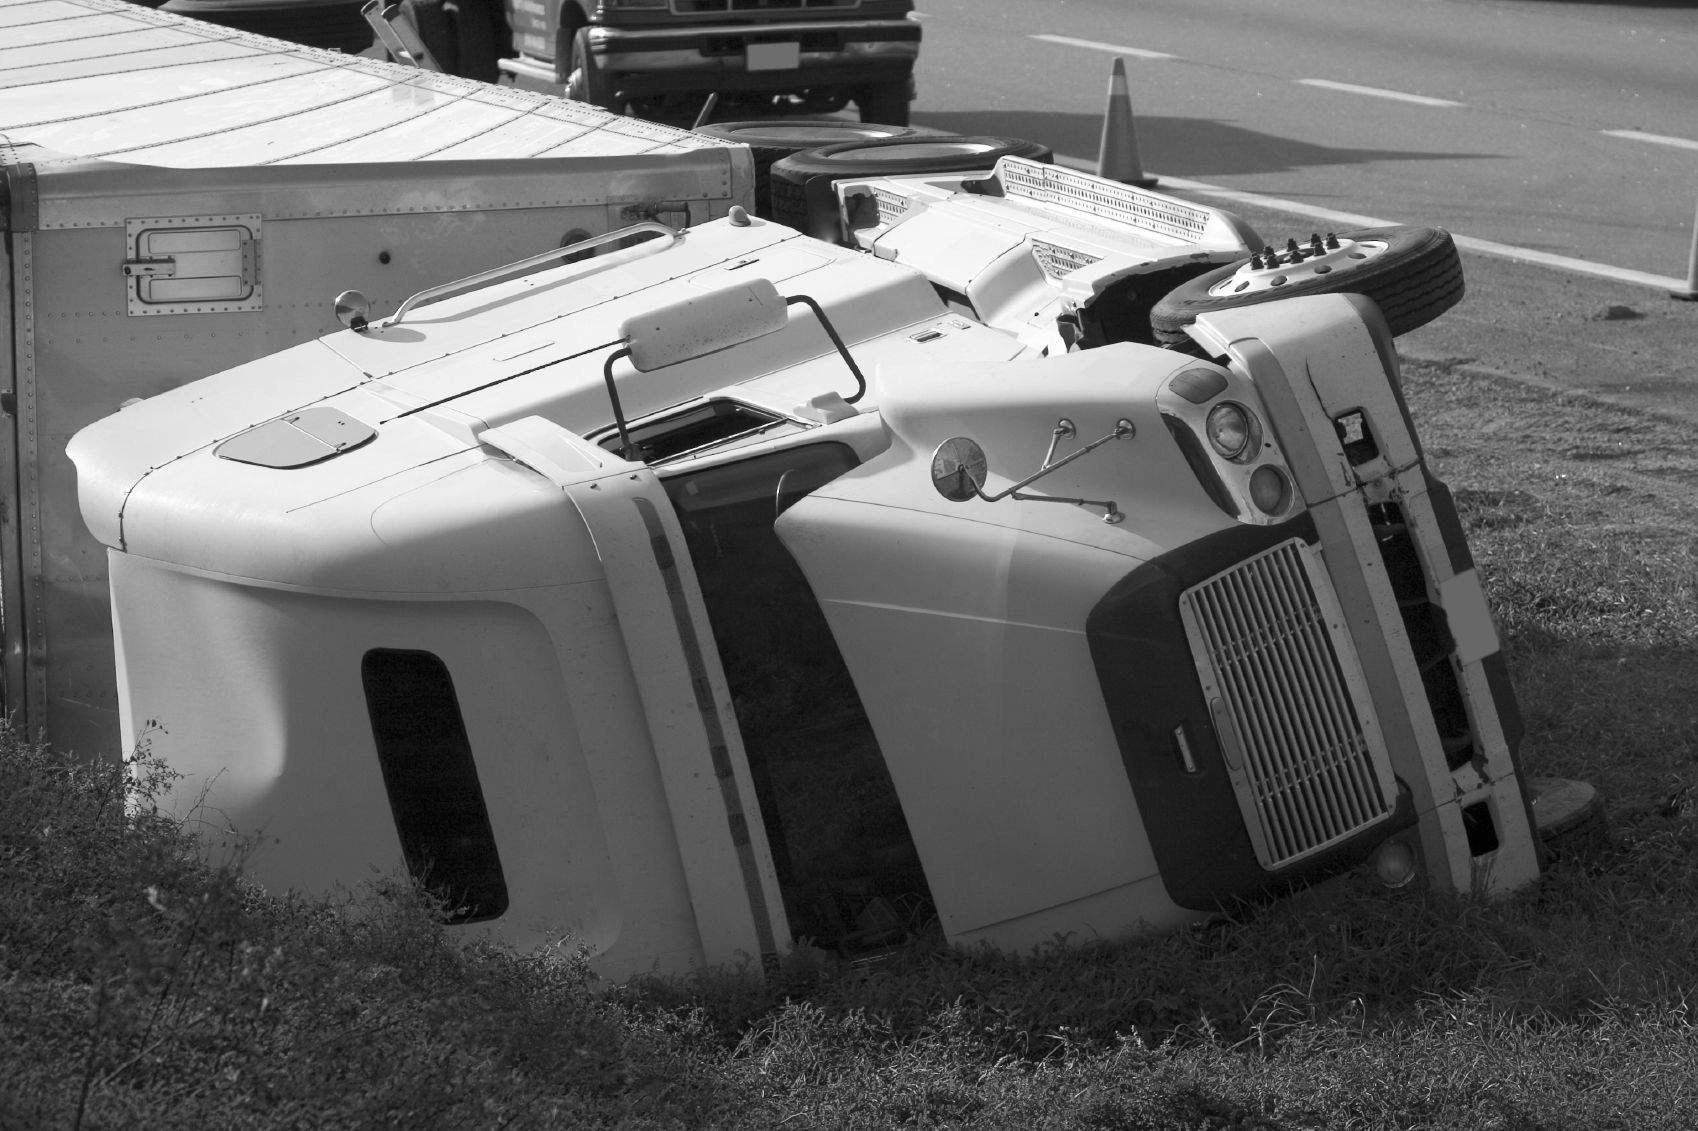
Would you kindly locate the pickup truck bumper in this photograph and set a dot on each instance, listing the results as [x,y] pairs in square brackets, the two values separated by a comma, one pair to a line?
[768,56]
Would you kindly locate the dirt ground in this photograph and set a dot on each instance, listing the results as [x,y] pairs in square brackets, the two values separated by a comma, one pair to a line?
[1625,344]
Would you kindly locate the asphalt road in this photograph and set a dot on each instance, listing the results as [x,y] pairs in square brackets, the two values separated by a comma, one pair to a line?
[1568,129]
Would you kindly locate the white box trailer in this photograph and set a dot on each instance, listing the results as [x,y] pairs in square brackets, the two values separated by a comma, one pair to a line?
[179,198]
[741,588]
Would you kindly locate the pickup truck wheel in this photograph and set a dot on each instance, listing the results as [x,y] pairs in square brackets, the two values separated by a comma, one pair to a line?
[1413,274]
[586,83]
[802,194]
[777,138]
[883,102]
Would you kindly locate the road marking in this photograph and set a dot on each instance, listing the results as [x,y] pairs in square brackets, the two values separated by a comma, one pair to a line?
[1565,263]
[1354,220]
[1658,139]
[1377,92]
[1111,48]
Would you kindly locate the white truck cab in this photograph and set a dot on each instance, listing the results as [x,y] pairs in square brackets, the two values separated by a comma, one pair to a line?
[737,588]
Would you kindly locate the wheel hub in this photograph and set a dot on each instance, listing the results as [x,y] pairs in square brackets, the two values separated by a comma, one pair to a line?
[1270,269]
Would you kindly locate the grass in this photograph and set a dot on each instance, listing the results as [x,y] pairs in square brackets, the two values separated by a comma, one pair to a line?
[141,988]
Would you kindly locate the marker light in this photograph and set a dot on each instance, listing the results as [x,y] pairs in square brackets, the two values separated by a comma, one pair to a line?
[1394,863]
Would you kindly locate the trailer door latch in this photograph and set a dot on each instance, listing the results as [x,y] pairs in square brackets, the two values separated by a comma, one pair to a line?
[160,268]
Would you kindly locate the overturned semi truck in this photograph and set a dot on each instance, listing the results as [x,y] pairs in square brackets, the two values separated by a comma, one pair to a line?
[1022,560]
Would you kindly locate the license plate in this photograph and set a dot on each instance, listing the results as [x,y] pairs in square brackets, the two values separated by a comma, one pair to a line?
[774,56]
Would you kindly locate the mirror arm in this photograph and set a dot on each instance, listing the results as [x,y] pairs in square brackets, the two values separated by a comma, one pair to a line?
[843,351]
[1111,512]
[1064,429]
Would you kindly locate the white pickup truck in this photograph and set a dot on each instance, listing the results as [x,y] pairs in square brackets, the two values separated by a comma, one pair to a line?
[740,587]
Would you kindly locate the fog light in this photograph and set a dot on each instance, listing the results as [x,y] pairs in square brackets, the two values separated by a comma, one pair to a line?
[1270,490]
[1395,863]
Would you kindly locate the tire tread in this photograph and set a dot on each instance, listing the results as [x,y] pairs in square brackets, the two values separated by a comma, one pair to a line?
[1426,281]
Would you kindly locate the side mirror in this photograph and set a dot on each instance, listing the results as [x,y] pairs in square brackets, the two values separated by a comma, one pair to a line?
[958,469]
[352,310]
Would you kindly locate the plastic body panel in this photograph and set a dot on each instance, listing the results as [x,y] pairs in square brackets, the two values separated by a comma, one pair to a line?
[617,826]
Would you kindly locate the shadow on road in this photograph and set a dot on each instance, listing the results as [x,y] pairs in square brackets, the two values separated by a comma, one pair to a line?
[1179,147]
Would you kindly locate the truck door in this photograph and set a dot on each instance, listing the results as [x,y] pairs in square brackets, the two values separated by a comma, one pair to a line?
[693,734]
[846,864]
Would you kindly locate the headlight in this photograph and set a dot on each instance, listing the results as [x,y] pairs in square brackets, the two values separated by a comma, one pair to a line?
[1232,431]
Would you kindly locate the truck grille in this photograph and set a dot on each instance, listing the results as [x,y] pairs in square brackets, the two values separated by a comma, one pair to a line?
[1123,204]
[1289,704]
[890,206]
[1057,261]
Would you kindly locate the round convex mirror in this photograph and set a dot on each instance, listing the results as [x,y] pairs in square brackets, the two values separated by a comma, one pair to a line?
[352,309]
[958,469]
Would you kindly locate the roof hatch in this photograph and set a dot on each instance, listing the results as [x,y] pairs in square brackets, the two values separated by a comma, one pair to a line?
[296,440]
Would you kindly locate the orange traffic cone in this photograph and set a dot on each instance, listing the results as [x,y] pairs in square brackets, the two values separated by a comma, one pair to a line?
[1117,158]
[1690,294]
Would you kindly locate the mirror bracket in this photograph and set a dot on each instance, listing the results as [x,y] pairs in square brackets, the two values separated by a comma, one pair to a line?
[959,469]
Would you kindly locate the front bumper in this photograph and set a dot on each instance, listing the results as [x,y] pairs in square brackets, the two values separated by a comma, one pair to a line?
[768,56]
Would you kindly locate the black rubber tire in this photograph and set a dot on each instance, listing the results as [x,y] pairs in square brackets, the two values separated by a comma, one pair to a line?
[1417,278]
[335,25]
[587,83]
[474,31]
[773,139]
[802,195]
[436,31]
[883,102]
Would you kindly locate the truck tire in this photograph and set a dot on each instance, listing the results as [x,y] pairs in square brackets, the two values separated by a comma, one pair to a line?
[802,194]
[431,19]
[774,139]
[1413,274]
[586,82]
[475,30]
[883,102]
[335,25]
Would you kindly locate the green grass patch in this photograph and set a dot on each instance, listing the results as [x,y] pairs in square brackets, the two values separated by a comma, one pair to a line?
[140,987]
